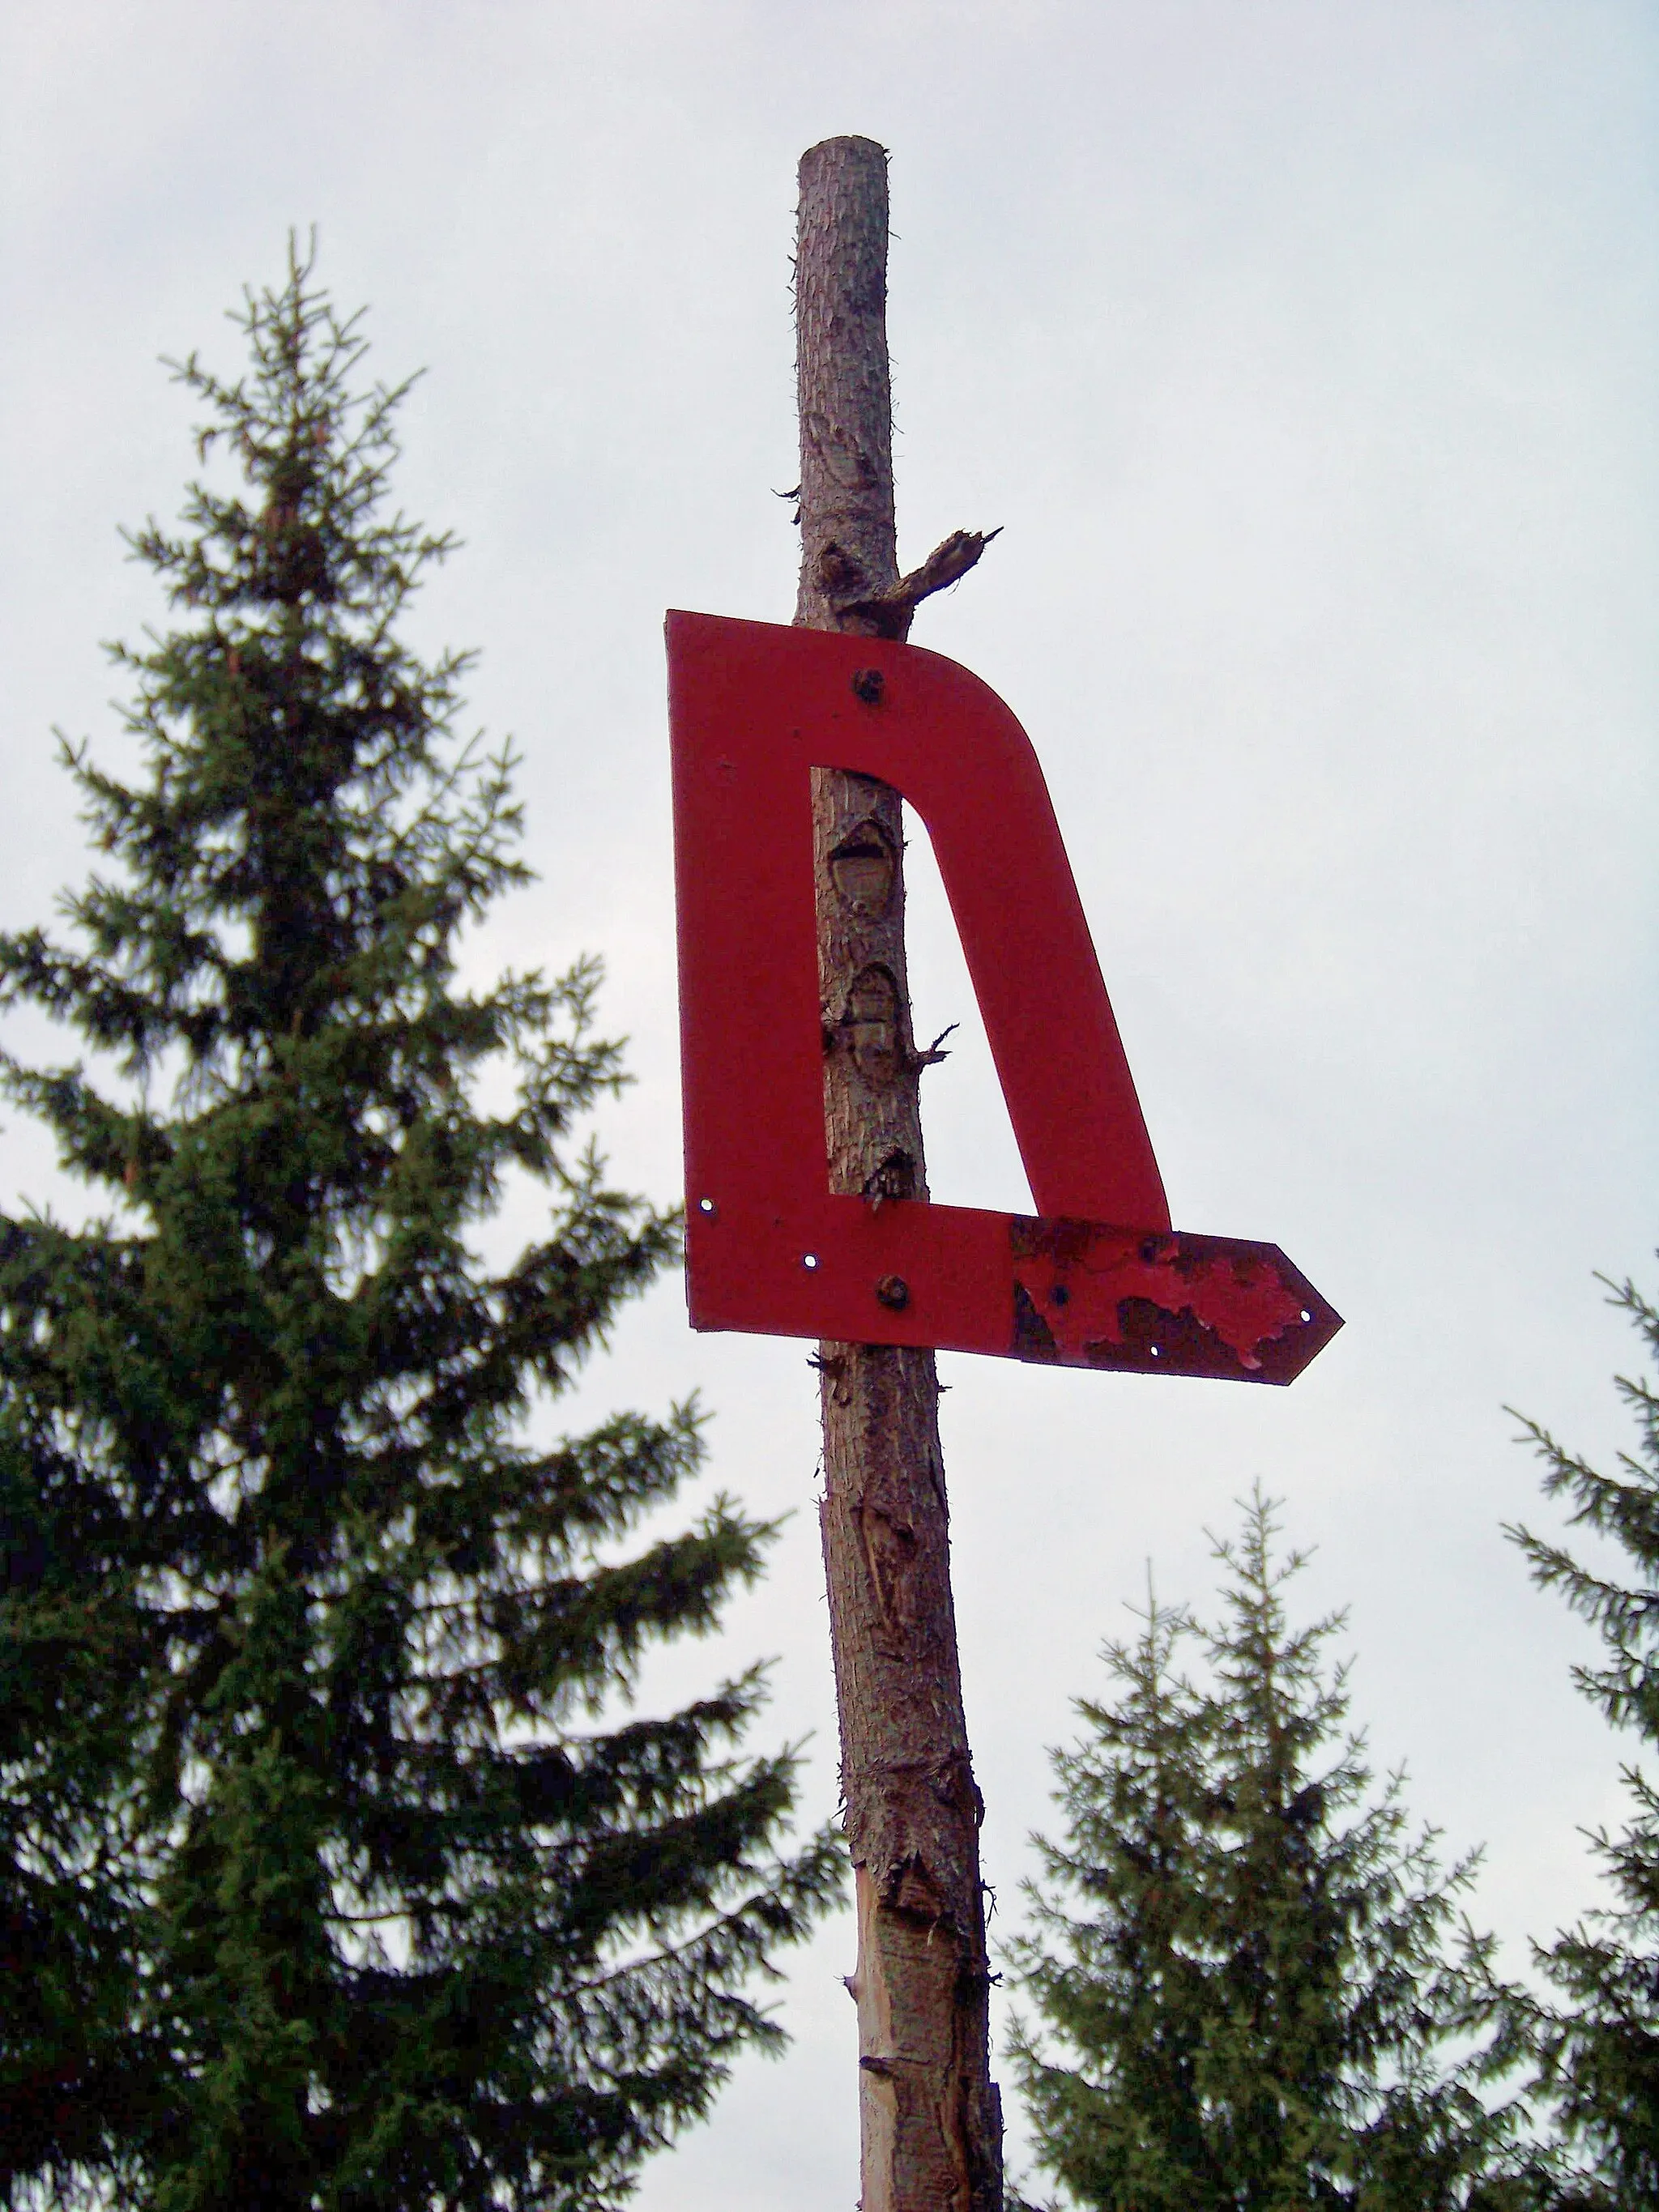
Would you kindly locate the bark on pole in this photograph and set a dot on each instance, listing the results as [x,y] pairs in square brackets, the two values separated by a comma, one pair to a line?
[931,2128]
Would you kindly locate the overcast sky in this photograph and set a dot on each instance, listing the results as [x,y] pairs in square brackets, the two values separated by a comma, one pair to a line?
[1306,355]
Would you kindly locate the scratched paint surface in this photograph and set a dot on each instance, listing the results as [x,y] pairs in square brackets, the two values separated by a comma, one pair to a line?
[1086,1295]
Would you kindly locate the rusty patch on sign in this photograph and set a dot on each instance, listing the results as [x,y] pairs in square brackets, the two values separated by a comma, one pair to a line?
[1033,1337]
[1157,1301]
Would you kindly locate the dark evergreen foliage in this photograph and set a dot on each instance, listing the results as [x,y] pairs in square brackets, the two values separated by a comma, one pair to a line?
[1599,2044]
[1251,1987]
[332,1874]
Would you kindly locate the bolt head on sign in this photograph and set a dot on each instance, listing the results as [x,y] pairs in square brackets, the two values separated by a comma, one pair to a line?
[1098,1277]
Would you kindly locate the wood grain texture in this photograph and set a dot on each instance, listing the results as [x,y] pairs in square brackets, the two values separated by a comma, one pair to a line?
[930,2120]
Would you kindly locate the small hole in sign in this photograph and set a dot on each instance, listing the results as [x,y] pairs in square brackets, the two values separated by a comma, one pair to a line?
[706,1205]
[1155,1352]
[809,1259]
[1306,1315]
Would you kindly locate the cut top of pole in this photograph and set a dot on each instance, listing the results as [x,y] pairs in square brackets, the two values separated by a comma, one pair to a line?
[843,386]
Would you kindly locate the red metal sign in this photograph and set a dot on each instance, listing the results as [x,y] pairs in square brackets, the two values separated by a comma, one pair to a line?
[1098,1278]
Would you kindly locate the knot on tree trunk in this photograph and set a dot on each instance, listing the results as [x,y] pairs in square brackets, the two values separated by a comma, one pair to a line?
[890,613]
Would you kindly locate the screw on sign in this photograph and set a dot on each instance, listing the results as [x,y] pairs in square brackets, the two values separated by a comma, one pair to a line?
[807,1206]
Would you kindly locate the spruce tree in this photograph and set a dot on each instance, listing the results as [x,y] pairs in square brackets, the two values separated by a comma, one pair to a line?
[338,1868]
[1252,1988]
[1598,2043]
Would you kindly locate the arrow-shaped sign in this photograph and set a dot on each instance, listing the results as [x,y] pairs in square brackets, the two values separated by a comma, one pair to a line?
[1098,1278]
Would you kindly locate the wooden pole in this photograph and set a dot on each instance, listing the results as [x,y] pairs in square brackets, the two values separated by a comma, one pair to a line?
[931,2126]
